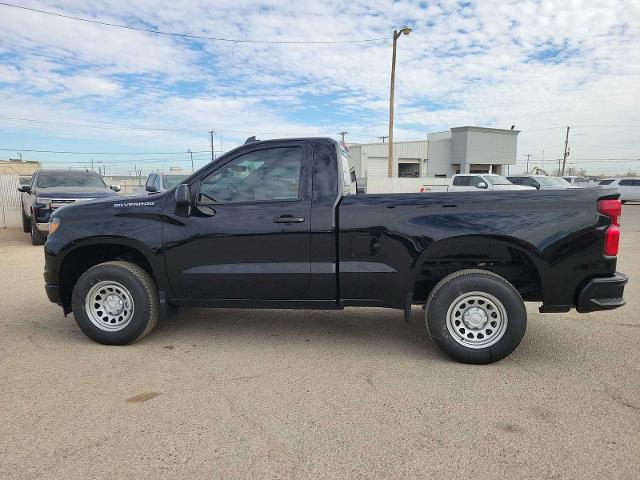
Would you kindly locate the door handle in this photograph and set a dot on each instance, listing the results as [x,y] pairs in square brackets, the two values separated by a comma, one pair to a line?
[288,219]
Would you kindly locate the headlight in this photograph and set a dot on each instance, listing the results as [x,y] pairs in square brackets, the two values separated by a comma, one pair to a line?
[54,223]
[44,201]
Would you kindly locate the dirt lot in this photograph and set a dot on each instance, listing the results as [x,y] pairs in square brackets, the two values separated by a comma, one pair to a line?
[277,394]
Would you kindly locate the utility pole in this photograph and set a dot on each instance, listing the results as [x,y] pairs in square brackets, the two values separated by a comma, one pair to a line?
[396,35]
[383,137]
[191,155]
[92,165]
[342,134]
[567,151]
[211,133]
[528,155]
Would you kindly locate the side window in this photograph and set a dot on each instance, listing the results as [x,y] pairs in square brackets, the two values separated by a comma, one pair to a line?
[149,180]
[626,183]
[475,181]
[530,182]
[515,180]
[461,181]
[636,183]
[264,175]
[157,182]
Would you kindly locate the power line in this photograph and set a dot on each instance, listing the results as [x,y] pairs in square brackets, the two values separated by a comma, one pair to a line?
[96,153]
[106,126]
[115,126]
[186,35]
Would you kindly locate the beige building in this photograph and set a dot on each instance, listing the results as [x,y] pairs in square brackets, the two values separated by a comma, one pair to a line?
[443,154]
[19,167]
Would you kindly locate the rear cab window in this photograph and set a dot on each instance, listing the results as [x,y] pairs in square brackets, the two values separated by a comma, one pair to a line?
[461,181]
[605,182]
[347,172]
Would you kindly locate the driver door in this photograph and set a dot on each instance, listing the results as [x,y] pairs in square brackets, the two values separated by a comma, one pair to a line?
[248,236]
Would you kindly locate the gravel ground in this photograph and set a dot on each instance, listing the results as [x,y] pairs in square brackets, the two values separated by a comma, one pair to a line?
[286,394]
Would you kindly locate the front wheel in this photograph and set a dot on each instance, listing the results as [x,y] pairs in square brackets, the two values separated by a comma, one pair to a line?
[475,316]
[37,238]
[26,223]
[115,303]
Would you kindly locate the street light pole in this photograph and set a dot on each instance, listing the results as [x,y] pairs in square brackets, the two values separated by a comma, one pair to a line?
[396,35]
[211,132]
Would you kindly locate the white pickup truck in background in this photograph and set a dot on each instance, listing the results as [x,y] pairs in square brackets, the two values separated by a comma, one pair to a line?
[473,182]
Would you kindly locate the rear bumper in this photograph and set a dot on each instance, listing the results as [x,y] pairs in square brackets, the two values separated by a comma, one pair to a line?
[605,293]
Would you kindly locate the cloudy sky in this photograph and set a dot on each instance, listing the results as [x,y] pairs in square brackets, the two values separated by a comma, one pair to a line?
[68,85]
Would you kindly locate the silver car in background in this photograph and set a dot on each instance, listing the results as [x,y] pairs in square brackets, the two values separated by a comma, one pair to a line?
[540,182]
[629,188]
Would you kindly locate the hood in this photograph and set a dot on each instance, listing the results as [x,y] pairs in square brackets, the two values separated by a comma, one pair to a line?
[74,192]
[110,204]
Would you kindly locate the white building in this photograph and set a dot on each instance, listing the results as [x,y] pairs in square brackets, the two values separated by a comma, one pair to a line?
[443,154]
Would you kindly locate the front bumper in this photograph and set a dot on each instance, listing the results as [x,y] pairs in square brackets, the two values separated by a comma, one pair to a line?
[604,293]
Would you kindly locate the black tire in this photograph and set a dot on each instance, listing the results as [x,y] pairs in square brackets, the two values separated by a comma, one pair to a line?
[37,238]
[445,301]
[143,296]
[26,223]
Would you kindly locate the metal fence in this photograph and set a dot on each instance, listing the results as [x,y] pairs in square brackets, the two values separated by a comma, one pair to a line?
[10,200]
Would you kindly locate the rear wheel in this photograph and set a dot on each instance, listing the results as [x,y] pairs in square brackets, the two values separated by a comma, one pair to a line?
[26,223]
[37,238]
[115,303]
[475,316]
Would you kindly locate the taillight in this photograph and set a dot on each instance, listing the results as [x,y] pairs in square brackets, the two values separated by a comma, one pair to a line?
[613,210]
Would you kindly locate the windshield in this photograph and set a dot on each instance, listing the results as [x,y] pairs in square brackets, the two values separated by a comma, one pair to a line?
[560,181]
[69,179]
[170,181]
[548,181]
[498,180]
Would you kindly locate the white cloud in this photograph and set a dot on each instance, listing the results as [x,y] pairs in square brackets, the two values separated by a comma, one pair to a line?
[535,64]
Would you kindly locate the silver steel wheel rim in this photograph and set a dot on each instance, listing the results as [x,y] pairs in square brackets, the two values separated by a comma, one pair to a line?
[109,306]
[477,320]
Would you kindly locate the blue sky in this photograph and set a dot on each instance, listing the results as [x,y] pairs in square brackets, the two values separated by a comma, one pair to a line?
[75,86]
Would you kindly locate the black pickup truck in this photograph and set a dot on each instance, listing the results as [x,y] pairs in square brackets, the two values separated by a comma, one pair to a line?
[52,189]
[278,224]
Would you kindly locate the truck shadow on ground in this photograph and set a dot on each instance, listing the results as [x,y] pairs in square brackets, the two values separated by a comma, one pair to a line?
[364,328]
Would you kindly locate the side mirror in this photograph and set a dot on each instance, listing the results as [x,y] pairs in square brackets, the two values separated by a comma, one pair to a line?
[482,185]
[24,188]
[151,189]
[183,200]
[115,188]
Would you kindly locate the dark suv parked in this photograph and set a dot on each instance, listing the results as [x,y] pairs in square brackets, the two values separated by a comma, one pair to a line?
[52,189]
